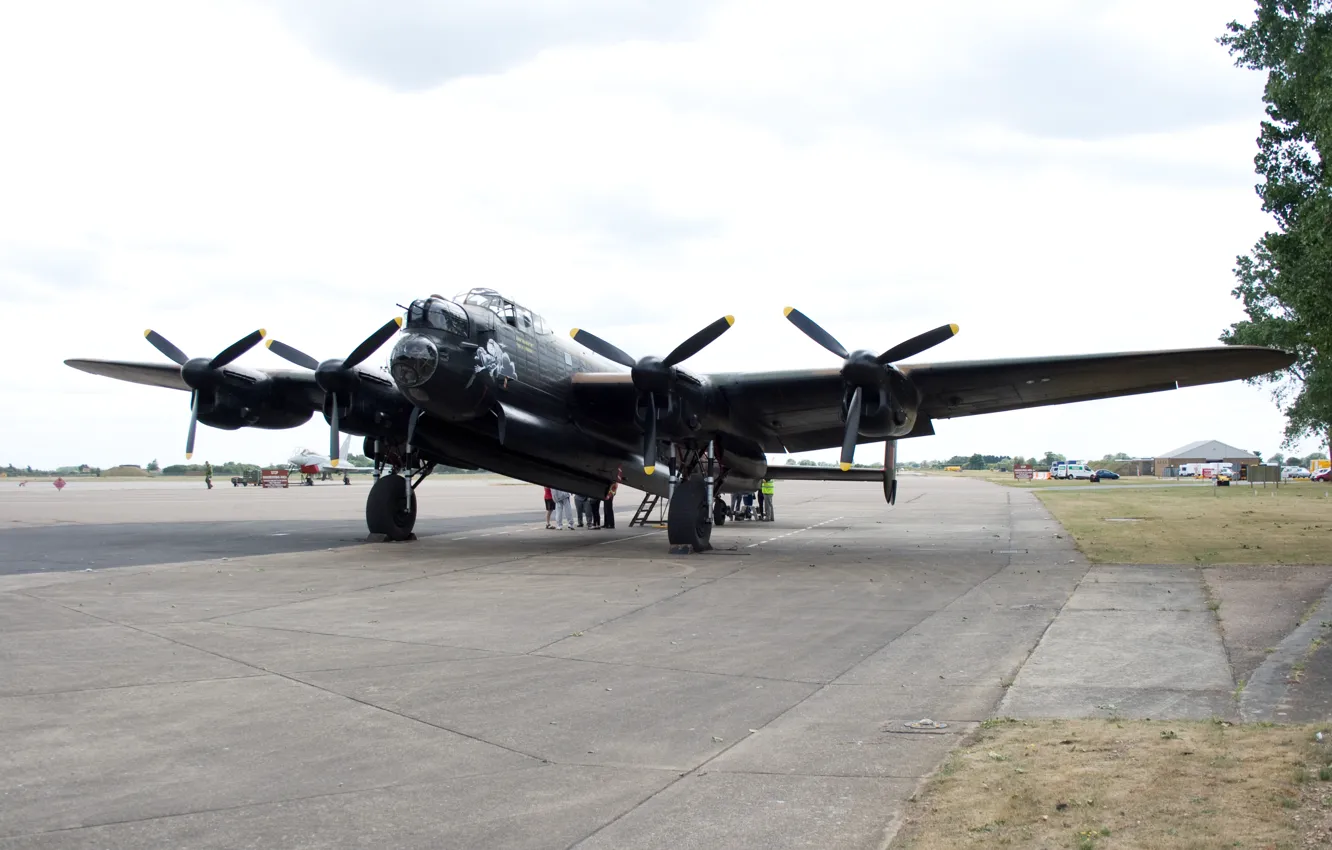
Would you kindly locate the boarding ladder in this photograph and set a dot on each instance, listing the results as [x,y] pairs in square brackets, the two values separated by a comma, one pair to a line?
[643,515]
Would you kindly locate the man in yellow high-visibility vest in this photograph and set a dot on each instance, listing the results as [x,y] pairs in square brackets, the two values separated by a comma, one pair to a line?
[766,488]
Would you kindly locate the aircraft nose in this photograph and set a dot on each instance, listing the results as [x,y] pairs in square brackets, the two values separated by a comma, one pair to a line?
[413,361]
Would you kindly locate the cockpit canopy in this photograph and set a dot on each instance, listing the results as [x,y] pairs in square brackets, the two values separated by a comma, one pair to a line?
[439,314]
[514,314]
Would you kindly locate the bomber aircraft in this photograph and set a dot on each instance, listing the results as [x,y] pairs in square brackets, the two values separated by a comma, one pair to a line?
[479,381]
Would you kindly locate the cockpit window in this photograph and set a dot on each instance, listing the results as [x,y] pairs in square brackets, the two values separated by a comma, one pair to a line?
[509,312]
[438,314]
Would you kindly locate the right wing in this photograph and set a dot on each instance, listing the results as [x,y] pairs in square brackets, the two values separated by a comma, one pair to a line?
[165,375]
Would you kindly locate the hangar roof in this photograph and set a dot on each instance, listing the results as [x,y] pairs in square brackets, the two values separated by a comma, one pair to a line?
[1209,449]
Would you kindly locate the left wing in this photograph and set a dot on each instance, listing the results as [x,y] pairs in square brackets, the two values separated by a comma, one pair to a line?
[801,410]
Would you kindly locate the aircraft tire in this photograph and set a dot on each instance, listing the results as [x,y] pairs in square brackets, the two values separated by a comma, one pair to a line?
[687,516]
[386,510]
[719,512]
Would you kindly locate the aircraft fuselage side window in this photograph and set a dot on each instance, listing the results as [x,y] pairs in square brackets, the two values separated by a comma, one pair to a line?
[524,318]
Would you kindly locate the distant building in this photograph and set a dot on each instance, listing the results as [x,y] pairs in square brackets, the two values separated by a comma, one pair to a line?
[1203,451]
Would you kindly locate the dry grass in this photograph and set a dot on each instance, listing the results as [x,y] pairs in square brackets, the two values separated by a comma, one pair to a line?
[1134,784]
[1200,525]
[1007,479]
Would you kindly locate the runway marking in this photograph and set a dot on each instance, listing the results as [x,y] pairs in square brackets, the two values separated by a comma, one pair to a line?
[789,533]
[622,539]
[280,534]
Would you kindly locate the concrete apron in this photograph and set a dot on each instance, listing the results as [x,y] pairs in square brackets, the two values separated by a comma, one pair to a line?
[1133,641]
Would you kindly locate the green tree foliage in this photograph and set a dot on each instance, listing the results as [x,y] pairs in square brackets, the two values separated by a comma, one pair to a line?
[359,460]
[152,466]
[1285,282]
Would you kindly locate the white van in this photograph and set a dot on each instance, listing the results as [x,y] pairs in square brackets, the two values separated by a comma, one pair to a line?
[1079,471]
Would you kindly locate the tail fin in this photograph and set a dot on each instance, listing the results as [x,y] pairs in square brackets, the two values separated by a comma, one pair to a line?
[346,444]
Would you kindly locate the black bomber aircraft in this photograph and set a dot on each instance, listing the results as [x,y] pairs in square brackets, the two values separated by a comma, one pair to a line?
[479,381]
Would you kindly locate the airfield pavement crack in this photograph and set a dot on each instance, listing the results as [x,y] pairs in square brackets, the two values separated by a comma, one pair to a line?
[134,684]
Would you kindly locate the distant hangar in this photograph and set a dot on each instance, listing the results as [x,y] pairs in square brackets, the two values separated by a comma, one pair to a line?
[1204,451]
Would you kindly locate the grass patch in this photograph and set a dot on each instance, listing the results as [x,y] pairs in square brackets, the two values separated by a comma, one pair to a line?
[1199,525]
[1123,784]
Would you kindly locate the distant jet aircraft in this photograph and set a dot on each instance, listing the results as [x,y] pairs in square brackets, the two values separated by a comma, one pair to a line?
[310,463]
[479,381]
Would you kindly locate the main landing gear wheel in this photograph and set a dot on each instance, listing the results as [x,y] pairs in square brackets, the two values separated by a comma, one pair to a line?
[687,517]
[719,512]
[387,511]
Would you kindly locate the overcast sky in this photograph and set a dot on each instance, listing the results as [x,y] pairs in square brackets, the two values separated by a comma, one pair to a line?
[1056,177]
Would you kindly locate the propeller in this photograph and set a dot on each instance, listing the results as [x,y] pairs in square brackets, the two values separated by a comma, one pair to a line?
[654,377]
[865,368]
[337,377]
[201,373]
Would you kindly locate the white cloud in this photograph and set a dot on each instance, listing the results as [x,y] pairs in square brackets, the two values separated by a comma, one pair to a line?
[207,168]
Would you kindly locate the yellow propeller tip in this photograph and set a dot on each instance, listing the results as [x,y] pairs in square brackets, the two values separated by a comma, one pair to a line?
[148,332]
[262,333]
[574,333]
[846,467]
[648,470]
[189,455]
[334,462]
[730,320]
[955,329]
[786,311]
[399,320]
[268,343]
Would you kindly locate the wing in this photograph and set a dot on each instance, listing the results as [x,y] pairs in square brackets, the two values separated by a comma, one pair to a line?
[296,384]
[801,410]
[153,374]
[991,386]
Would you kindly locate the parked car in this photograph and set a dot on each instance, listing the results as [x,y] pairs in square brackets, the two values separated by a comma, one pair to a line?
[1325,475]
[1288,472]
[1107,475]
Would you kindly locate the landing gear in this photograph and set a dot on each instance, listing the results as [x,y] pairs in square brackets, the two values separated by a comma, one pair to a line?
[389,509]
[719,512]
[687,519]
[691,513]
[346,479]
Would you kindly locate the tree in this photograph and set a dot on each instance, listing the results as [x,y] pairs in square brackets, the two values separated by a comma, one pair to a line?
[1284,280]
[361,460]
[152,465]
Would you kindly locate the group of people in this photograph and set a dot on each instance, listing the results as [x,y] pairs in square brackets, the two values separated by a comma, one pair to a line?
[742,504]
[564,507]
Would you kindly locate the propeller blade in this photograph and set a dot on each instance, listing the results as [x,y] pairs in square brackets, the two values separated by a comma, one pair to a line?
[597,345]
[373,342]
[194,420]
[291,355]
[890,471]
[650,437]
[333,432]
[237,348]
[699,341]
[161,344]
[852,428]
[812,330]
[917,344]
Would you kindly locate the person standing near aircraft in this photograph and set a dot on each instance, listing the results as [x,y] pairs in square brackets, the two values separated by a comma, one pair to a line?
[550,506]
[208,474]
[765,490]
[563,509]
[610,508]
[594,513]
[580,508]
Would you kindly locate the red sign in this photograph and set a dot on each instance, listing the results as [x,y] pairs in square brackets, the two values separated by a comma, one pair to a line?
[273,478]
[1023,471]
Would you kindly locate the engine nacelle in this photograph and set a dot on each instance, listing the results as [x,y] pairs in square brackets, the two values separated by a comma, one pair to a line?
[252,407]
[372,410]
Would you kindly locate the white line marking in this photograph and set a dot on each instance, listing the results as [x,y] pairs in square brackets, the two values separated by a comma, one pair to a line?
[622,539]
[797,531]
